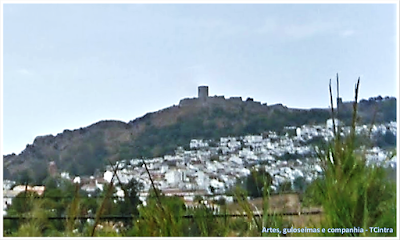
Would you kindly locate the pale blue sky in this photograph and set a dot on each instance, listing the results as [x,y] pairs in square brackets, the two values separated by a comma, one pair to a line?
[69,66]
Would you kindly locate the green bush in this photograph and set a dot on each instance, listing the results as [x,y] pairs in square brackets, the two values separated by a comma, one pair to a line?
[351,193]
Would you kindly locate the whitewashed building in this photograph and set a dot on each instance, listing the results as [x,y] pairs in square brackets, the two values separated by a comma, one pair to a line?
[173,177]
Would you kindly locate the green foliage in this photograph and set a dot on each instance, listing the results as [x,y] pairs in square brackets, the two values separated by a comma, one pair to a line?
[385,140]
[221,201]
[255,223]
[257,181]
[85,158]
[160,217]
[300,184]
[28,204]
[25,177]
[23,202]
[39,172]
[383,109]
[203,223]
[198,199]
[352,193]
[285,187]
[63,199]
[50,183]
[128,205]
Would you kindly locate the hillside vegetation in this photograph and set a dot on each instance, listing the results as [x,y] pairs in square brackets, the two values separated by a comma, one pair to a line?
[87,150]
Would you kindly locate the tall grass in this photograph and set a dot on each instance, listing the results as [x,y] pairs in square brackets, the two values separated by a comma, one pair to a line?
[352,193]
[255,221]
[72,211]
[34,228]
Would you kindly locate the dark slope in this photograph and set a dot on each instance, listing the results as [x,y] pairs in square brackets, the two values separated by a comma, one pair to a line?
[84,150]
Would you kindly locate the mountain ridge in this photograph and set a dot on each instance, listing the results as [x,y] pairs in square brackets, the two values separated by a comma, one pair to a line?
[83,150]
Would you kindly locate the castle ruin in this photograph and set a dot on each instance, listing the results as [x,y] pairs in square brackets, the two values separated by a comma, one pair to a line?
[203,93]
[203,99]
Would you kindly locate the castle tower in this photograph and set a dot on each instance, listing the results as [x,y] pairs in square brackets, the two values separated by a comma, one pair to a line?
[203,93]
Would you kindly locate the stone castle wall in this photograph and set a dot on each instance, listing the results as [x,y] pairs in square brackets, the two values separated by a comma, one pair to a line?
[204,100]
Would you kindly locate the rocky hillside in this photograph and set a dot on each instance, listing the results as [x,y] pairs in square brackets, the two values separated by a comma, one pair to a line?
[85,150]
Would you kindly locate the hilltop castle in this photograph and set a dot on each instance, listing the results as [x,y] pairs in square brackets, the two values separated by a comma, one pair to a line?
[203,99]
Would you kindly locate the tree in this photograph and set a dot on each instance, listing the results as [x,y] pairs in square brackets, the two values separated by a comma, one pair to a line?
[128,206]
[385,140]
[390,138]
[198,199]
[299,184]
[23,202]
[257,181]
[25,177]
[221,201]
[285,187]
[50,183]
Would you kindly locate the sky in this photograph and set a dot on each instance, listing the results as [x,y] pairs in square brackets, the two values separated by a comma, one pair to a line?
[67,66]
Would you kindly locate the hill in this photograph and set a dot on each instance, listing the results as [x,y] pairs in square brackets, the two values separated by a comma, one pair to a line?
[87,150]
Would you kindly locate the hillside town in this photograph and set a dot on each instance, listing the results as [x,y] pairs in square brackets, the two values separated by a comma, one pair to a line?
[213,167]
